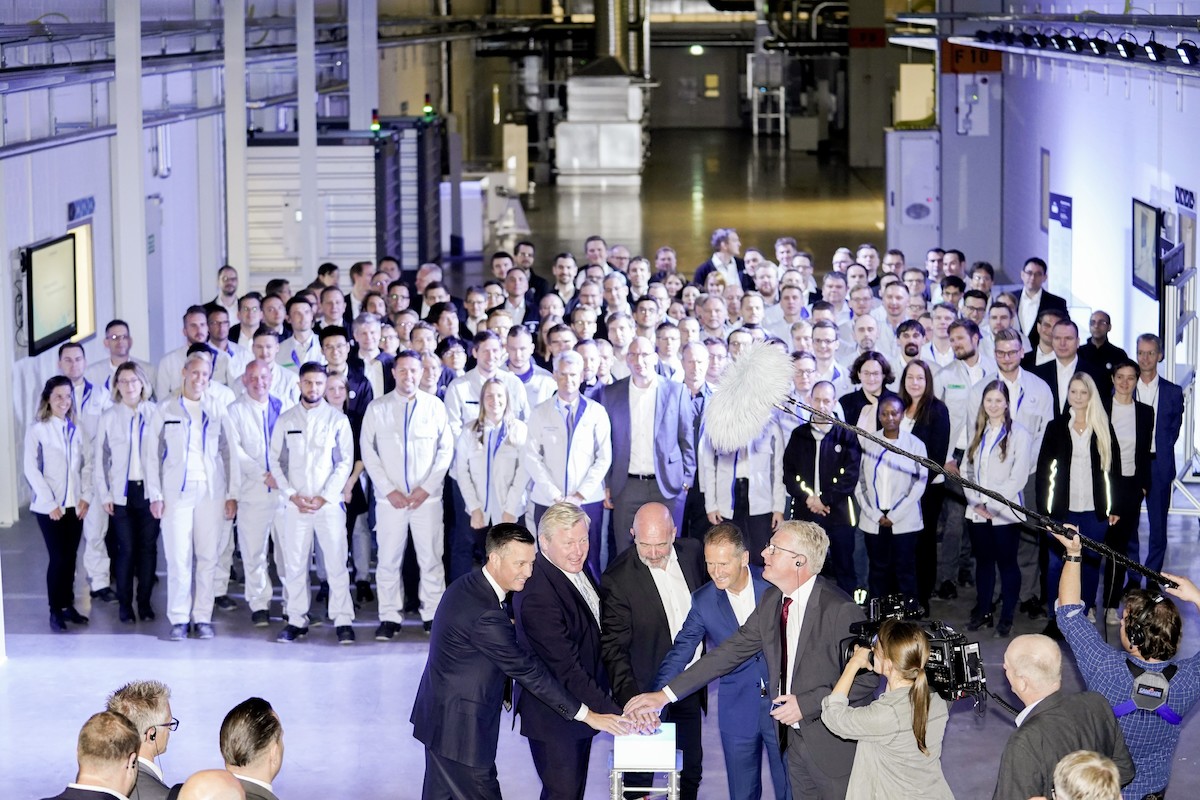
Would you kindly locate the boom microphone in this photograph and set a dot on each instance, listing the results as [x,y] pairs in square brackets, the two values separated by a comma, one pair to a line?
[751,388]
[759,381]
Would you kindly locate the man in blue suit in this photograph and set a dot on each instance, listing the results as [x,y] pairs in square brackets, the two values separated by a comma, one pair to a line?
[558,618]
[744,708]
[653,459]
[473,656]
[1166,398]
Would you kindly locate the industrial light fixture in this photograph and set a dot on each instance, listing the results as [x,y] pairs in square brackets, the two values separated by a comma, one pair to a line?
[1098,46]
[1127,46]
[1041,40]
[1154,50]
[1188,52]
[1061,41]
[1026,39]
[1078,44]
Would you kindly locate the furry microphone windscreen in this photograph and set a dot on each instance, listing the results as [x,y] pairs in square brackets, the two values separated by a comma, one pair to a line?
[746,396]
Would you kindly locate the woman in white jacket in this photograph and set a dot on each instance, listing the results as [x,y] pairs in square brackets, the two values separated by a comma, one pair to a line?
[487,463]
[745,487]
[57,466]
[124,452]
[998,458]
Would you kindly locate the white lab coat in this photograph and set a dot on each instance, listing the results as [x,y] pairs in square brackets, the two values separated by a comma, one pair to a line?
[251,446]
[169,377]
[312,452]
[560,465]
[1033,407]
[760,461]
[907,484]
[294,355]
[489,471]
[406,444]
[58,465]
[166,474]
[463,396]
[952,385]
[121,429]
[1006,477]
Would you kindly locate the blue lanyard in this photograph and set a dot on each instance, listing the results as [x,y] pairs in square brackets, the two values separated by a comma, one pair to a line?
[408,415]
[492,450]
[87,393]
[733,483]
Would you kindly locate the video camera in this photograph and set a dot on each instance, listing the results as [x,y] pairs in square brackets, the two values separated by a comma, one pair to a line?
[954,669]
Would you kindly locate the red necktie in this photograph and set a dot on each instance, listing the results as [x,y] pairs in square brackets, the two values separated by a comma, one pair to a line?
[783,665]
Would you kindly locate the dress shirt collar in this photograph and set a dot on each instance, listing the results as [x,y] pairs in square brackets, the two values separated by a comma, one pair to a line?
[255,781]
[150,765]
[802,594]
[1025,712]
[500,593]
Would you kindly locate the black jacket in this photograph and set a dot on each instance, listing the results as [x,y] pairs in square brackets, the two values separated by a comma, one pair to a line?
[840,460]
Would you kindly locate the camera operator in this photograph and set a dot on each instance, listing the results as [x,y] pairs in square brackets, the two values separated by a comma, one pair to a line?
[888,762]
[1151,629]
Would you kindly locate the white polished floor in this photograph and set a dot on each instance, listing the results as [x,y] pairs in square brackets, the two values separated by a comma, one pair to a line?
[345,710]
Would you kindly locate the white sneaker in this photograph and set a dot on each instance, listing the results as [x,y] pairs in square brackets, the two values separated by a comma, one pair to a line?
[1092,616]
[1111,618]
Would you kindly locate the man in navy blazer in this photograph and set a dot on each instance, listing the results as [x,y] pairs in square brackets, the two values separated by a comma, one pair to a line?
[744,710]
[101,775]
[558,619]
[473,654]
[653,458]
[1166,398]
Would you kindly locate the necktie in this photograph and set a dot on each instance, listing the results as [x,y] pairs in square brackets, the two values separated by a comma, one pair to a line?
[783,665]
[589,595]
[508,681]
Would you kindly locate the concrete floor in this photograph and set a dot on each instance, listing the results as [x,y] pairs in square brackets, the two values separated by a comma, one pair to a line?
[345,710]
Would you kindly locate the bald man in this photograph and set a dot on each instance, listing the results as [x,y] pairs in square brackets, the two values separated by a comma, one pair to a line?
[212,784]
[1053,724]
[636,634]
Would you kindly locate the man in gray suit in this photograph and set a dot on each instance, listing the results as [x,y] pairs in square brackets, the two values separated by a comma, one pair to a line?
[252,746]
[798,625]
[147,704]
[653,459]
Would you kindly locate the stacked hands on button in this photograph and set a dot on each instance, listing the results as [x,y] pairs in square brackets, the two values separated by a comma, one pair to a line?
[644,722]
[784,708]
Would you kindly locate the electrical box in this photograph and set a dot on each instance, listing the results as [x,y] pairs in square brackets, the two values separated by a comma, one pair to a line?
[913,200]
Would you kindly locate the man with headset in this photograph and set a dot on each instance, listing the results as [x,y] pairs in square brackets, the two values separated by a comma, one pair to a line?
[147,704]
[1150,690]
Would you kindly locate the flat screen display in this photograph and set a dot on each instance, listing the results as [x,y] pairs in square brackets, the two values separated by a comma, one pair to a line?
[50,292]
[1146,224]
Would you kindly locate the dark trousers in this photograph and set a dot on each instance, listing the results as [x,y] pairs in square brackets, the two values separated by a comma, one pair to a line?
[562,764]
[893,559]
[595,512]
[637,493]
[839,563]
[743,759]
[995,546]
[927,541]
[1127,507]
[446,779]
[695,521]
[136,532]
[1158,501]
[811,779]
[1092,528]
[62,541]
[755,528]
[463,538]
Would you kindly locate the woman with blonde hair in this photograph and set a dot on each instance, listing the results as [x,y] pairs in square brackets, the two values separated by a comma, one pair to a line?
[487,466]
[900,734]
[58,467]
[1074,483]
[124,452]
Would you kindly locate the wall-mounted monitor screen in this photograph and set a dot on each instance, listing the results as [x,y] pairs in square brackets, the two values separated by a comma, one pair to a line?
[1147,221]
[50,292]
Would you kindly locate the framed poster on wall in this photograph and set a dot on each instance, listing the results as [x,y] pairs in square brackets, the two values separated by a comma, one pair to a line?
[1147,221]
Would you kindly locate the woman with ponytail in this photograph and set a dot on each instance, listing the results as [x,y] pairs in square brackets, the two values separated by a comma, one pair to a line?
[900,734]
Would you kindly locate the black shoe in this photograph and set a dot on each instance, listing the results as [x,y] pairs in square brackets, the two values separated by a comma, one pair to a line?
[979,621]
[1052,631]
[71,615]
[146,613]
[260,619]
[1037,612]
[345,634]
[386,631]
[362,589]
[322,593]
[105,595]
[1003,628]
[126,614]
[225,603]
[947,591]
[58,623]
[290,634]
[428,624]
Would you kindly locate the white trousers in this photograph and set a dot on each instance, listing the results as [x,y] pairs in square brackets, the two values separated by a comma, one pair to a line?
[257,520]
[95,552]
[392,529]
[193,526]
[224,560]
[296,542]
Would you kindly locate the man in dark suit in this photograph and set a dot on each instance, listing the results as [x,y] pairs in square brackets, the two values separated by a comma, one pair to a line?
[361,274]
[726,245]
[1034,299]
[1053,724]
[744,715]
[818,618]
[558,619]
[643,615]
[252,746]
[1166,398]
[653,458]
[473,654]
[147,704]
[107,753]
[1067,361]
